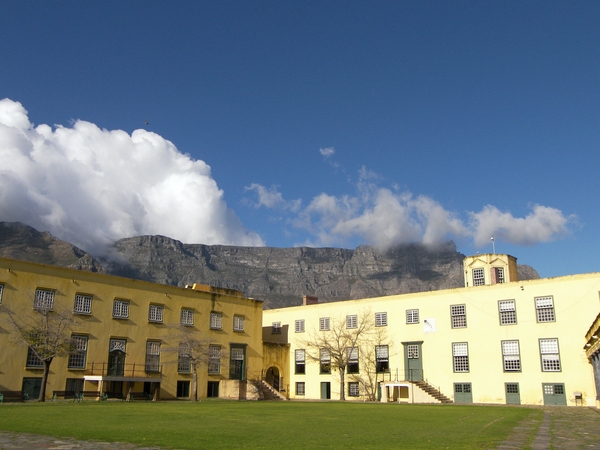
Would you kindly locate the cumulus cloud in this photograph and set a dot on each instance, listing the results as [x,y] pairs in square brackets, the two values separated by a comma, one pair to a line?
[92,186]
[271,198]
[327,152]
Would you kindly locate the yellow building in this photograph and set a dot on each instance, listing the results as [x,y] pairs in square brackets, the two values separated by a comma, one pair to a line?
[128,334]
[497,340]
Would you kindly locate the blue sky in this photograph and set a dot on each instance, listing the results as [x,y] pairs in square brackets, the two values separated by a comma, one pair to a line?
[306,123]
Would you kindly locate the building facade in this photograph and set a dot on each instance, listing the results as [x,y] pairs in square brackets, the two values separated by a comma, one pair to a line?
[129,335]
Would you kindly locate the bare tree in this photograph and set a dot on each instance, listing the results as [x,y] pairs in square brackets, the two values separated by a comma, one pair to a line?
[337,345]
[47,334]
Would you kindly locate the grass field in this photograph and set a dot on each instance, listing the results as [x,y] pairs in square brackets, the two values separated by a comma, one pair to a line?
[291,425]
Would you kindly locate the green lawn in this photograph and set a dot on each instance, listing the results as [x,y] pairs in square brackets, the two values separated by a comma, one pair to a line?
[290,425]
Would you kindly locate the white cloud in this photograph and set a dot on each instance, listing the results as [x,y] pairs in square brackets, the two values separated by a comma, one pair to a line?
[271,198]
[327,152]
[91,186]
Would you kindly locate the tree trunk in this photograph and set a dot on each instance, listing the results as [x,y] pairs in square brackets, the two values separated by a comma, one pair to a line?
[342,390]
[194,383]
[42,397]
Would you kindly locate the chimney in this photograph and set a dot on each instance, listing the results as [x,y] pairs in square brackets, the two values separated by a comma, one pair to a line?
[309,300]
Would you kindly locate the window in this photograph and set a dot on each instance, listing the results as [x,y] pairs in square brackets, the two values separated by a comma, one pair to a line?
[83,304]
[121,309]
[462,388]
[512,388]
[184,363]
[352,360]
[545,309]
[299,326]
[300,361]
[458,314]
[214,359]
[478,278]
[237,368]
[382,359]
[353,389]
[549,355]
[497,275]
[276,328]
[554,389]
[152,356]
[412,316]
[155,313]
[381,319]
[216,321]
[325,360]
[460,354]
[324,324]
[33,359]
[510,356]
[187,317]
[352,321]
[78,355]
[238,323]
[508,312]
[183,389]
[412,351]
[300,388]
[1,290]
[44,299]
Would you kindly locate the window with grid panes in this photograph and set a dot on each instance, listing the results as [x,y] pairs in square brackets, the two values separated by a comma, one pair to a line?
[381,319]
[299,326]
[412,316]
[324,324]
[44,299]
[545,309]
[152,356]
[382,358]
[155,313]
[184,363]
[478,277]
[352,360]
[187,317]
[353,389]
[325,360]
[300,355]
[216,321]
[462,388]
[78,355]
[214,359]
[460,354]
[498,273]
[300,388]
[352,321]
[120,309]
[83,304]
[512,388]
[508,312]
[458,314]
[549,355]
[511,356]
[276,328]
[238,323]
[412,351]
[33,359]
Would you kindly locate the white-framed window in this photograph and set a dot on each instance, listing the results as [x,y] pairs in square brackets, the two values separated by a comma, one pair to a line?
[33,360]
[324,324]
[83,304]
[412,351]
[300,355]
[187,317]
[381,319]
[300,388]
[353,389]
[478,277]
[544,307]
[511,357]
[497,275]
[458,314]
[412,316]
[299,326]
[216,321]
[352,321]
[1,290]
[120,309]
[325,360]
[508,312]
[214,359]
[184,362]
[153,356]
[78,355]
[44,299]
[238,323]
[155,313]
[276,328]
[549,355]
[460,355]
[382,358]
[352,360]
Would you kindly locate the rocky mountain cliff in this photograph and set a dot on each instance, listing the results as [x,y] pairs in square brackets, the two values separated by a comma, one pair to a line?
[279,276]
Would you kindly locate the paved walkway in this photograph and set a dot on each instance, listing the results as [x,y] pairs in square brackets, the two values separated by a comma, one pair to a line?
[561,428]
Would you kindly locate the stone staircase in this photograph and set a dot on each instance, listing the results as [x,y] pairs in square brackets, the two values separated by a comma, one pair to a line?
[435,393]
[267,392]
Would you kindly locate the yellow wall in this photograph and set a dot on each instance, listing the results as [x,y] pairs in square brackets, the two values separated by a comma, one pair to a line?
[20,280]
